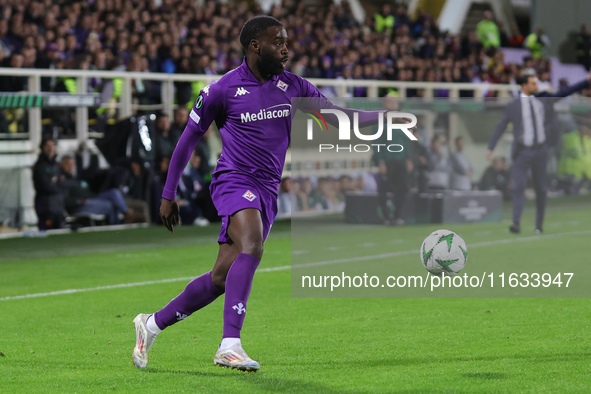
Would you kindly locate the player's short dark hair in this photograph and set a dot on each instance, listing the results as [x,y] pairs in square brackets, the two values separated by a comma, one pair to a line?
[254,27]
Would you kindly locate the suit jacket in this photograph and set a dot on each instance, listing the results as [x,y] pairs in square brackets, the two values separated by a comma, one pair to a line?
[513,114]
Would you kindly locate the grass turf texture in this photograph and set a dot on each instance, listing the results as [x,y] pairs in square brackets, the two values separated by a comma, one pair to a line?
[82,342]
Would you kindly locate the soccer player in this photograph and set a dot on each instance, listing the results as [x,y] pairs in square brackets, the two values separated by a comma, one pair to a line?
[252,108]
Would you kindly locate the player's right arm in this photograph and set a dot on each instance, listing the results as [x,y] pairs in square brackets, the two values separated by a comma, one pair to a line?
[206,108]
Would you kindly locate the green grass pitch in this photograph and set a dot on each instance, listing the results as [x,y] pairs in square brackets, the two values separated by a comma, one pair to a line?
[82,341]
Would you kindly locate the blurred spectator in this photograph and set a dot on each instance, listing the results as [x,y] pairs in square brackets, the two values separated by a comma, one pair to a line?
[584,47]
[537,42]
[49,200]
[88,167]
[488,31]
[420,164]
[134,182]
[346,184]
[440,168]
[13,120]
[166,137]
[64,119]
[393,169]
[196,188]
[4,39]
[308,198]
[462,169]
[496,177]
[79,199]
[365,182]
[544,83]
[181,116]
[286,200]
[384,20]
[402,18]
[296,188]
[329,193]
[14,84]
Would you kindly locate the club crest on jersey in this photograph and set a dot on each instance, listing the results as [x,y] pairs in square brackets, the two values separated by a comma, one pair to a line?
[282,85]
[250,196]
[241,92]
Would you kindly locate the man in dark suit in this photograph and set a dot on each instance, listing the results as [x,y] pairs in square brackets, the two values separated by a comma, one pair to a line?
[533,119]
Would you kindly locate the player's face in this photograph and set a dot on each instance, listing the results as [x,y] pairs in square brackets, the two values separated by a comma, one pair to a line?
[274,53]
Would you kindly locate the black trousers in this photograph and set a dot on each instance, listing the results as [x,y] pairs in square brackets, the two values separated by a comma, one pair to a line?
[535,159]
[395,182]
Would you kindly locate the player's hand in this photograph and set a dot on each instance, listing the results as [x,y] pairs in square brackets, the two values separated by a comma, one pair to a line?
[169,214]
[489,154]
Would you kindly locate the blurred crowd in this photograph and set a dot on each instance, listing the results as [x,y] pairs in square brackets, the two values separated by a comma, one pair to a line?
[180,36]
[75,190]
[200,37]
[423,168]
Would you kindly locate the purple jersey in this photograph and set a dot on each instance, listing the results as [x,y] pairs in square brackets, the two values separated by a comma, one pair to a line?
[254,120]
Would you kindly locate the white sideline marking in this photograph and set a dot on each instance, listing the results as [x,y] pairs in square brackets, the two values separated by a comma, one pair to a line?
[286,267]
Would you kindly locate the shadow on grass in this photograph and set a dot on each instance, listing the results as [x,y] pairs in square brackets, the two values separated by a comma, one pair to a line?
[258,380]
[486,375]
[553,357]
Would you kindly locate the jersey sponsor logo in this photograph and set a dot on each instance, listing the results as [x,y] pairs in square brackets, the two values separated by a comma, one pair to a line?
[199,101]
[240,309]
[250,196]
[282,85]
[193,115]
[273,112]
[241,92]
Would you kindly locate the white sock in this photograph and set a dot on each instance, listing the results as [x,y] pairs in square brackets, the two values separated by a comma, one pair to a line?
[152,326]
[229,342]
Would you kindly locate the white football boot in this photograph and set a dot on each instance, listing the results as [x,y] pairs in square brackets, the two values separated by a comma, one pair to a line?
[143,341]
[236,358]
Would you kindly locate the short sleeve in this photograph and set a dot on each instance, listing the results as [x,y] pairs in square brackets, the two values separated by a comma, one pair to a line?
[208,105]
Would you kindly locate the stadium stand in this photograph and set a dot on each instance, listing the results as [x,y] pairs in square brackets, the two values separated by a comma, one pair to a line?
[188,37]
[180,37]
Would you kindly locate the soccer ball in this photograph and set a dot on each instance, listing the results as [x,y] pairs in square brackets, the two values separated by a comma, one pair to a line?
[443,251]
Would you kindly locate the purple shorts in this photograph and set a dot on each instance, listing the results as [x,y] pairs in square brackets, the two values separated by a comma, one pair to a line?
[232,192]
